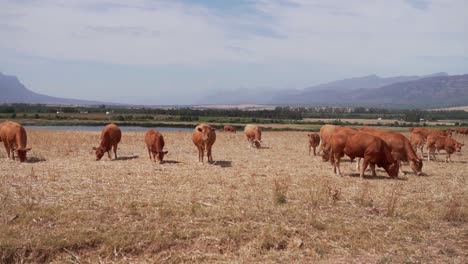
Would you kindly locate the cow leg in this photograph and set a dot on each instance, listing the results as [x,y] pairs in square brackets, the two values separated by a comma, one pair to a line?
[358,162]
[115,151]
[315,154]
[400,168]
[201,154]
[7,148]
[208,154]
[337,165]
[372,167]
[149,153]
[365,163]
[310,147]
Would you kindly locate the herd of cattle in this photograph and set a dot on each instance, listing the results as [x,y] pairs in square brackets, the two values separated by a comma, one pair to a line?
[385,149]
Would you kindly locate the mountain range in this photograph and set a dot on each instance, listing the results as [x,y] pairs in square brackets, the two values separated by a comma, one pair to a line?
[428,91]
[437,90]
[13,91]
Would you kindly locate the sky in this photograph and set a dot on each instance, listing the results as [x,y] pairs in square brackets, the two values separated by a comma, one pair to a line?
[178,51]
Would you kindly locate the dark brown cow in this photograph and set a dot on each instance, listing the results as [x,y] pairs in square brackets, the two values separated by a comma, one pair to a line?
[110,138]
[253,134]
[418,142]
[229,128]
[314,141]
[400,148]
[155,144]
[438,143]
[14,138]
[204,136]
[357,144]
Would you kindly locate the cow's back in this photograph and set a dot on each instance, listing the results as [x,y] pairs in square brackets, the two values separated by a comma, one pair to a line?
[111,135]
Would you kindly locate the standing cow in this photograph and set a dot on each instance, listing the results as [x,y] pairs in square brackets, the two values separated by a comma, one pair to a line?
[314,141]
[14,138]
[254,135]
[155,144]
[110,138]
[446,143]
[204,136]
[417,142]
[229,128]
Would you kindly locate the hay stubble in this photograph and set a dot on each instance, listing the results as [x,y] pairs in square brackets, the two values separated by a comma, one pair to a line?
[267,205]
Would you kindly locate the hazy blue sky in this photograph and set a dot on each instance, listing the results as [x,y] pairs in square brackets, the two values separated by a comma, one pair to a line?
[176,51]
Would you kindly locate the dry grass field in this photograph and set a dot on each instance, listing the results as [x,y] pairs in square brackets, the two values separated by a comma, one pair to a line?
[271,205]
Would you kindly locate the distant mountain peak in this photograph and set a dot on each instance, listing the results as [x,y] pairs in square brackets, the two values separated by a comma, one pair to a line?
[13,91]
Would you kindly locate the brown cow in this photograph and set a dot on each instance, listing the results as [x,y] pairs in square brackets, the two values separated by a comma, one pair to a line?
[14,138]
[253,134]
[110,138]
[204,136]
[362,145]
[155,144]
[400,148]
[314,141]
[325,133]
[229,128]
[438,143]
[418,142]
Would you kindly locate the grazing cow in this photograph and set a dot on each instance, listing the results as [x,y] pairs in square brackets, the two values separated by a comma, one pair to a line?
[204,136]
[314,141]
[357,144]
[446,143]
[418,142]
[229,128]
[254,135]
[14,138]
[155,144]
[400,148]
[110,138]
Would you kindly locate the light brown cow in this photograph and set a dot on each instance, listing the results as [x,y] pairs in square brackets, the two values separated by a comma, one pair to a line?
[14,138]
[204,136]
[400,148]
[110,138]
[229,128]
[314,141]
[253,134]
[418,142]
[357,144]
[155,144]
[438,143]
[325,133]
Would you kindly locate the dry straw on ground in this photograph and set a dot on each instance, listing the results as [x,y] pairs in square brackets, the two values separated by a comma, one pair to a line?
[274,204]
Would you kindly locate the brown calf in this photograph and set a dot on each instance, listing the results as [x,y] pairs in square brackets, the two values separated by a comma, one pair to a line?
[14,138]
[110,138]
[314,141]
[204,136]
[155,144]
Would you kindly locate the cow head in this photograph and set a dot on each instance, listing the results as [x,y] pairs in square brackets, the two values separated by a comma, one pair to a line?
[161,156]
[393,169]
[448,132]
[257,143]
[416,166]
[21,153]
[99,152]
[207,132]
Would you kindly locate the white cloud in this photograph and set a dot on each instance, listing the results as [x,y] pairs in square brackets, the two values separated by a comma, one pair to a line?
[169,32]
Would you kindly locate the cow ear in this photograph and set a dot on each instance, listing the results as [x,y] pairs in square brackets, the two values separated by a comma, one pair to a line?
[94,148]
[27,149]
[165,152]
[200,129]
